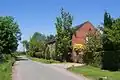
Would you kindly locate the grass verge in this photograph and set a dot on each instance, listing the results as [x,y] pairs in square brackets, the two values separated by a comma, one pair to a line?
[44,60]
[6,69]
[95,73]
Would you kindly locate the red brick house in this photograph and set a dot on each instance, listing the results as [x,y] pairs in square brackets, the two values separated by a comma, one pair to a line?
[80,35]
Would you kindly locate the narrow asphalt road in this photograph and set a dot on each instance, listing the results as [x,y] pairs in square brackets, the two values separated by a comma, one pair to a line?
[26,69]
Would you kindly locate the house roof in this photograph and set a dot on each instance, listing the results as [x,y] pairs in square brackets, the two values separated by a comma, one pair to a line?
[81,25]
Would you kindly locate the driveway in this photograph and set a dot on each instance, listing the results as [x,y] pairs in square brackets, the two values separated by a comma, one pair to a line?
[26,69]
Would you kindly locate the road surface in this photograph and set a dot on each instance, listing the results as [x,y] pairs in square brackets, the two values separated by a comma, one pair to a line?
[26,69]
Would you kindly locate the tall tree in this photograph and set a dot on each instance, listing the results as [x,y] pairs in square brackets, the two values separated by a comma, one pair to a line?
[37,43]
[108,21]
[111,43]
[25,45]
[38,37]
[50,38]
[64,34]
[36,40]
[9,35]
[114,34]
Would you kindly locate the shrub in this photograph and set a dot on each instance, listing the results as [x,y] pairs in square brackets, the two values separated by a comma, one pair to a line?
[110,60]
[93,58]
[6,57]
[38,54]
[78,47]
[6,68]
[30,53]
[77,56]
[88,57]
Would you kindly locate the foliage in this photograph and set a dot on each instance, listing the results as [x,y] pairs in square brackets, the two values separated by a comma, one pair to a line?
[47,53]
[9,35]
[108,21]
[93,49]
[110,60]
[30,53]
[37,41]
[64,35]
[78,47]
[111,43]
[6,69]
[6,57]
[52,51]
[25,44]
[50,38]
[94,73]
[113,34]
[37,45]
[38,37]
[93,58]
[94,41]
[50,47]
[38,54]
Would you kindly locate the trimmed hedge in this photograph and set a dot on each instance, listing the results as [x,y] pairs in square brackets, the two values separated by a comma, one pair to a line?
[108,60]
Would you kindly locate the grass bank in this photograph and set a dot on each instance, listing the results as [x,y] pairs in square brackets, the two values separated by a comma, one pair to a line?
[6,71]
[6,68]
[45,60]
[95,73]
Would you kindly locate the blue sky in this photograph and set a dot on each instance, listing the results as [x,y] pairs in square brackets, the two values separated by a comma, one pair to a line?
[40,15]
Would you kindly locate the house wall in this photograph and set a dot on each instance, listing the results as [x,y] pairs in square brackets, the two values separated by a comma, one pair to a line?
[80,36]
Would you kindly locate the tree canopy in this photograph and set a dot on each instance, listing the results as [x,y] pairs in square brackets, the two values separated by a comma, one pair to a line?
[9,35]
[64,34]
[25,44]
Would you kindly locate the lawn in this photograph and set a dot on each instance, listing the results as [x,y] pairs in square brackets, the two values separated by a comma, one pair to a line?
[45,60]
[95,73]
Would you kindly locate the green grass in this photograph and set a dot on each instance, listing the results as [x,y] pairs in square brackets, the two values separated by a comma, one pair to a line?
[95,73]
[5,71]
[45,61]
